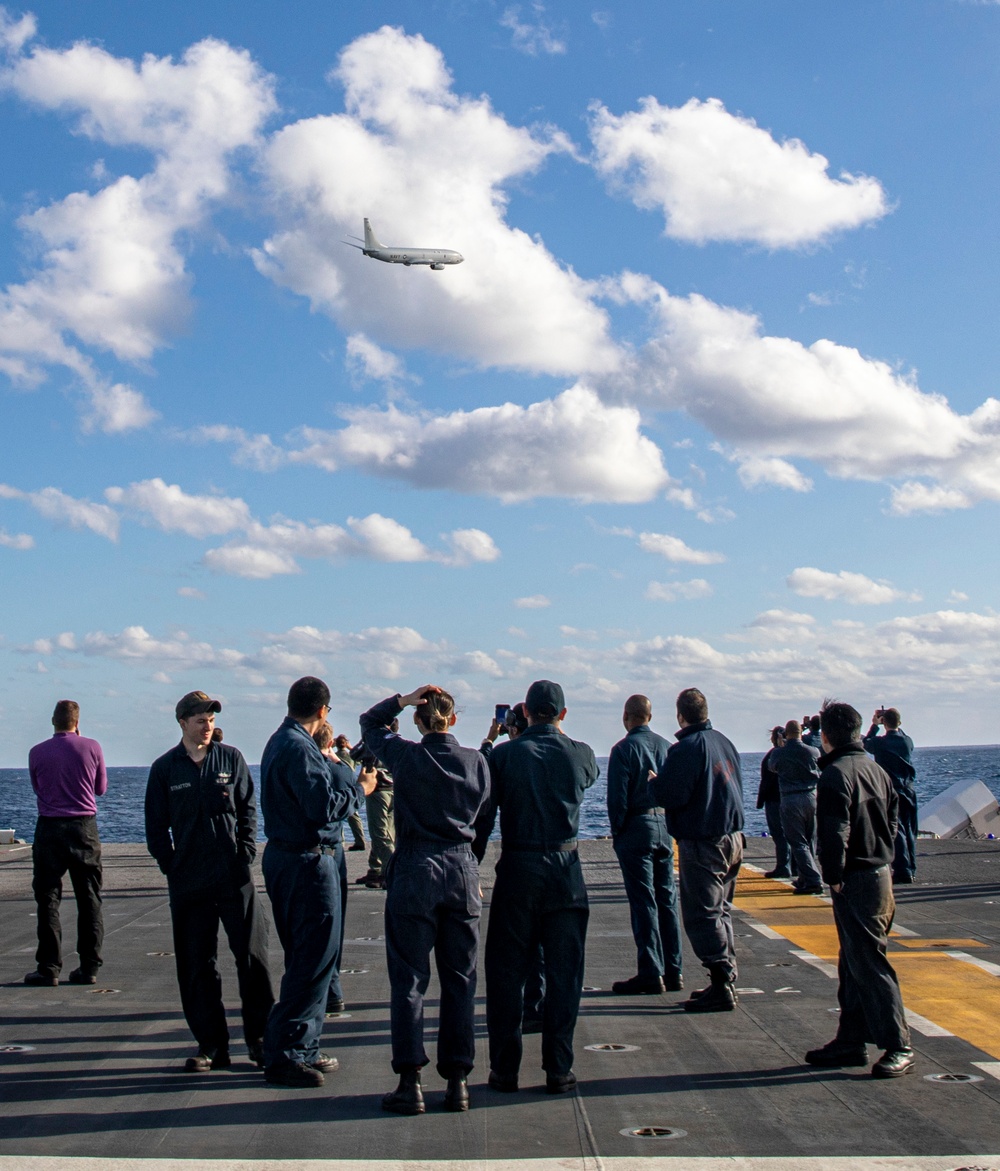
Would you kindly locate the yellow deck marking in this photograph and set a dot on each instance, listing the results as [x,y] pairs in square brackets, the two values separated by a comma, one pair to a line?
[960,997]
[952,944]
[954,994]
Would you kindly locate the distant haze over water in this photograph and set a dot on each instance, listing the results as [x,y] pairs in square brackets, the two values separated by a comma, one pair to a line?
[120,811]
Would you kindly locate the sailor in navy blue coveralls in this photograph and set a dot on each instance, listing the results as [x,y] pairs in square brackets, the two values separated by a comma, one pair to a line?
[540,897]
[305,798]
[433,901]
[645,853]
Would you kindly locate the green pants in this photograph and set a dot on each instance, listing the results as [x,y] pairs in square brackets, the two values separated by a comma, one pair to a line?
[381,829]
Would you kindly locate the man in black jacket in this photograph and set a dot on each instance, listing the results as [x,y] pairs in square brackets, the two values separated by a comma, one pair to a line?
[701,788]
[856,813]
[201,827]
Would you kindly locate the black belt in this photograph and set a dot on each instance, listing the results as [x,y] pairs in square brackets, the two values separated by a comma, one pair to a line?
[656,810]
[292,848]
[557,846]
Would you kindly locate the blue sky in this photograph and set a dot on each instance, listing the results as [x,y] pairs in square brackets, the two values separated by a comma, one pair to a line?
[709,402]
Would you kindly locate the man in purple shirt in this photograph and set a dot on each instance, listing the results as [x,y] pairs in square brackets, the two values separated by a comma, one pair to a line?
[68,774]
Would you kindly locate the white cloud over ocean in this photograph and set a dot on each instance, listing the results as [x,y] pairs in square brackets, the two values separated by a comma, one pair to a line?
[261,550]
[719,176]
[845,586]
[112,273]
[573,445]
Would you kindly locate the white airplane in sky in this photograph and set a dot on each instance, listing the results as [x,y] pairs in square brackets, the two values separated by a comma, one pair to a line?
[437,258]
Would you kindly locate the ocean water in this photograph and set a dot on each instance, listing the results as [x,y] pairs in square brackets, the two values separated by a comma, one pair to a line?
[120,811]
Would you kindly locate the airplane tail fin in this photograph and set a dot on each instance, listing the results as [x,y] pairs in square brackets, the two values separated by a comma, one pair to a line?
[371,240]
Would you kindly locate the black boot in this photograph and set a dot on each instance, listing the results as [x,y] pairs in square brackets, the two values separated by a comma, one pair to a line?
[456,1097]
[719,996]
[407,1097]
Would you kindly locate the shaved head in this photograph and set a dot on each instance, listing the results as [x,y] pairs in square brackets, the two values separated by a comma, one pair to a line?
[638,707]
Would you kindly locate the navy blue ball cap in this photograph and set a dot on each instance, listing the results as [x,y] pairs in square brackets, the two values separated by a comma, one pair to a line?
[544,698]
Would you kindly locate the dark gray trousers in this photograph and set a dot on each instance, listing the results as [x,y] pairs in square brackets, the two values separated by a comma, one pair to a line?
[708,871]
[871,1007]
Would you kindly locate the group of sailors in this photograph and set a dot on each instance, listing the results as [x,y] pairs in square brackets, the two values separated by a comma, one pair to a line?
[789,776]
[201,828]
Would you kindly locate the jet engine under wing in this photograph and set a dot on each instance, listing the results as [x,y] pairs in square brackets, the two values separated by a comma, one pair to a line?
[435,258]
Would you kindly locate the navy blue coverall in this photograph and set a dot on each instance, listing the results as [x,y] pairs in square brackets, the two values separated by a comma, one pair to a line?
[645,851]
[201,827]
[894,752]
[538,783]
[432,887]
[304,797]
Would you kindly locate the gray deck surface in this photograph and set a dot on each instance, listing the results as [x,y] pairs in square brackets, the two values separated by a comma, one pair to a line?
[103,1078]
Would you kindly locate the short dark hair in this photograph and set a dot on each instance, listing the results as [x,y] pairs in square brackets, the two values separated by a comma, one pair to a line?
[638,707]
[793,730]
[891,718]
[517,718]
[814,724]
[692,705]
[841,723]
[66,715]
[306,696]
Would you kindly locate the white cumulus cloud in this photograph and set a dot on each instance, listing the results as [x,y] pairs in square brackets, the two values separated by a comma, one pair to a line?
[674,549]
[573,445]
[19,541]
[756,470]
[63,509]
[775,398]
[844,586]
[532,602]
[112,272]
[273,549]
[511,304]
[719,176]
[174,510]
[675,591]
[367,360]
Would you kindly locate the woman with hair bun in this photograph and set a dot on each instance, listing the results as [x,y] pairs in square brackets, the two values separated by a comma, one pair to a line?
[432,881]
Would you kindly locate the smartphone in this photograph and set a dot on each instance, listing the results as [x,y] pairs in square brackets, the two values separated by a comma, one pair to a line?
[501,713]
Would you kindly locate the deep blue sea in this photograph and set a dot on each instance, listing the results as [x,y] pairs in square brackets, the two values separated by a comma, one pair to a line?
[120,817]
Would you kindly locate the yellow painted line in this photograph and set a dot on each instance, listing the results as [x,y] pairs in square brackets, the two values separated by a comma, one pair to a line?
[945,943]
[952,993]
[960,997]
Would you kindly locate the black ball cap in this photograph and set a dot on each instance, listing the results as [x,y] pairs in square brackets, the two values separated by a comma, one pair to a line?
[196,703]
[545,698]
